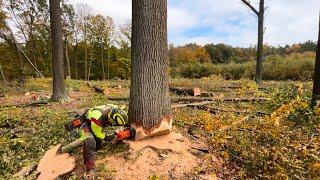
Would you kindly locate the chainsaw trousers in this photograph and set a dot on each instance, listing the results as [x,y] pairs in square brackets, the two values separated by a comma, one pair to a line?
[91,144]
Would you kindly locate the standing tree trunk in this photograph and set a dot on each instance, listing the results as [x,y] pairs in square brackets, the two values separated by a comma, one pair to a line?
[316,79]
[2,75]
[260,42]
[85,53]
[57,50]
[67,56]
[149,108]
[260,15]
[76,59]
[108,64]
[102,64]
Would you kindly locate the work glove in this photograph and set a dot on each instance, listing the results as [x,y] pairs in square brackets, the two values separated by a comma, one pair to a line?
[110,137]
[126,133]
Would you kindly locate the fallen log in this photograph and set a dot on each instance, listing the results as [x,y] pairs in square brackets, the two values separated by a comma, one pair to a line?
[192,104]
[202,105]
[118,98]
[195,91]
[54,164]
[27,170]
[240,87]
[193,99]
[95,88]
[197,99]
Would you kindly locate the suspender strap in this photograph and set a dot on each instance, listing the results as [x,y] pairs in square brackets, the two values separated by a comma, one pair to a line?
[96,121]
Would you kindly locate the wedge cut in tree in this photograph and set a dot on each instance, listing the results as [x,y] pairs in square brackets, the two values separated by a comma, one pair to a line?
[149,107]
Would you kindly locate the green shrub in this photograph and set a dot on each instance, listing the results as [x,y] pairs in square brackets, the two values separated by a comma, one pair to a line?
[274,68]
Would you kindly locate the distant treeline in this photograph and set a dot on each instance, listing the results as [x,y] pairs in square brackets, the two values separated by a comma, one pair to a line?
[96,48]
[222,53]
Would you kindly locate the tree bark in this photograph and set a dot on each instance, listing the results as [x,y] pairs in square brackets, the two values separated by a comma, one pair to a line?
[85,53]
[260,42]
[2,74]
[260,15]
[67,56]
[149,107]
[316,79]
[102,64]
[57,50]
[76,59]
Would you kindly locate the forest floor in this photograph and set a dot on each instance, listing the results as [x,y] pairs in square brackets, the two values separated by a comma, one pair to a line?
[278,138]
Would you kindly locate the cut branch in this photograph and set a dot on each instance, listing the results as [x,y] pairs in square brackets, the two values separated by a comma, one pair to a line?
[26,171]
[27,58]
[250,6]
[16,130]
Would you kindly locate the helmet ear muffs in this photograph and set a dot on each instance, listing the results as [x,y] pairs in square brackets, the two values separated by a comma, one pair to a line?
[123,107]
[117,117]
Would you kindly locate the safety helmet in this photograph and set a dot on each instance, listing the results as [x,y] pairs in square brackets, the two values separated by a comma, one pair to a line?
[117,117]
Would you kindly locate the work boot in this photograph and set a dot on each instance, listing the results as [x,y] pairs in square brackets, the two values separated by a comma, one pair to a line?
[90,175]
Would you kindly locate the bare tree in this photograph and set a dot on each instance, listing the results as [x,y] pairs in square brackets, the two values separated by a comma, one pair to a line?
[84,13]
[316,79]
[260,15]
[2,75]
[149,108]
[57,50]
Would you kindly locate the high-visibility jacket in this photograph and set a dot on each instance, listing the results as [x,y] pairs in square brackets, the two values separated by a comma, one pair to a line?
[97,119]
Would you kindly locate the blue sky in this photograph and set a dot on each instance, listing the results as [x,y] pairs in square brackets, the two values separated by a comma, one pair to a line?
[226,21]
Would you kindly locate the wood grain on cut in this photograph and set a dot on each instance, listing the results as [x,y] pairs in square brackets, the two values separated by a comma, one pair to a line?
[53,164]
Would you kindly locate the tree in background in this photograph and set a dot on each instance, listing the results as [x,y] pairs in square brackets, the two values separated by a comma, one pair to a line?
[84,14]
[188,54]
[260,15]
[149,108]
[316,80]
[100,35]
[57,50]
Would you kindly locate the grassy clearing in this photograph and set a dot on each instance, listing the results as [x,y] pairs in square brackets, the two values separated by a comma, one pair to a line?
[274,68]
[284,145]
[281,146]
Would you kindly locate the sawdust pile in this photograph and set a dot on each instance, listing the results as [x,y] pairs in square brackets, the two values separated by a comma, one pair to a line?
[166,156]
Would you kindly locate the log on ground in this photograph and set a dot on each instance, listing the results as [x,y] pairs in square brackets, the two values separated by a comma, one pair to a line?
[96,88]
[194,99]
[195,91]
[197,99]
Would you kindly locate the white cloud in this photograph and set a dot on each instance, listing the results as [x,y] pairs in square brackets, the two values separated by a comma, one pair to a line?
[181,19]
[226,21]
[119,10]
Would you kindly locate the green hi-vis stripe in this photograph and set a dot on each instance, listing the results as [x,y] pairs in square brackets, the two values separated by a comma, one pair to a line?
[119,118]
